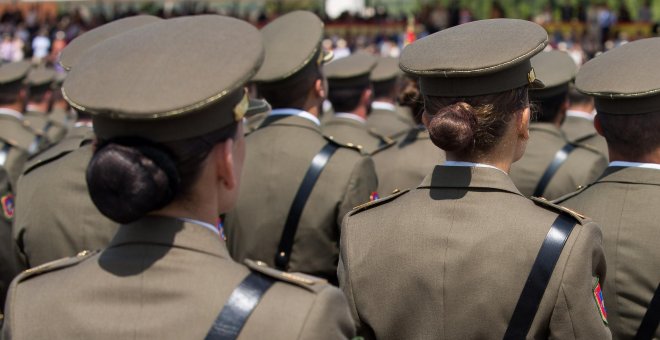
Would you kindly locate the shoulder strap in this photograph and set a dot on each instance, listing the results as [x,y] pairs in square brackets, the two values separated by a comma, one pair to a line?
[242,301]
[560,157]
[651,319]
[538,278]
[291,226]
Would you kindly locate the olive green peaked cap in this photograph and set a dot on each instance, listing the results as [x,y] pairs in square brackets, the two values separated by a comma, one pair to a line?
[12,72]
[624,80]
[291,42]
[387,68]
[353,70]
[557,69]
[477,58]
[155,91]
[74,50]
[41,76]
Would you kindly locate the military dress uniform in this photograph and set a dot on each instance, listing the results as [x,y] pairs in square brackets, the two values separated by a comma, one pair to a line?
[625,198]
[405,164]
[579,128]
[385,116]
[458,256]
[169,277]
[553,166]
[284,216]
[53,127]
[581,167]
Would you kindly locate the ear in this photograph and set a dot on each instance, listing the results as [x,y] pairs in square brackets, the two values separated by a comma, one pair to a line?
[523,123]
[366,97]
[597,125]
[320,88]
[224,164]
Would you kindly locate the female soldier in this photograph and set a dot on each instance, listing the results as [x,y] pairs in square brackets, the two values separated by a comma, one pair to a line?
[167,162]
[456,258]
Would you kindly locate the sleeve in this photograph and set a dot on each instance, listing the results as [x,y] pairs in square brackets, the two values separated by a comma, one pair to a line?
[345,282]
[6,333]
[362,183]
[329,317]
[577,311]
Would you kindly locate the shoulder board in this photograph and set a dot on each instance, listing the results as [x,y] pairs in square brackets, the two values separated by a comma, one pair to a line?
[55,152]
[346,145]
[383,147]
[578,190]
[55,265]
[309,282]
[369,205]
[385,140]
[542,202]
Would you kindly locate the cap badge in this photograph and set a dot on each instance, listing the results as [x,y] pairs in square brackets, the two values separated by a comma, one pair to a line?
[241,108]
[531,76]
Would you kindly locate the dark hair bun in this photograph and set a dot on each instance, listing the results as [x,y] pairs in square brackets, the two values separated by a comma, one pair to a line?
[411,97]
[128,179]
[453,127]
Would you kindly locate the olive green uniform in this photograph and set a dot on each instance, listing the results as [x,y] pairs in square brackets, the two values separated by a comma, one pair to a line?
[582,166]
[624,201]
[348,130]
[388,121]
[405,164]
[277,159]
[581,130]
[53,128]
[184,272]
[55,216]
[458,268]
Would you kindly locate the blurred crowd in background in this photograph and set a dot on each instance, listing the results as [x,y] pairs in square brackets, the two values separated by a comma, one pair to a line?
[38,31]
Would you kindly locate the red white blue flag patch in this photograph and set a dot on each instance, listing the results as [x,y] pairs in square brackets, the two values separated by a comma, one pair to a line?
[600,302]
[374,196]
[7,202]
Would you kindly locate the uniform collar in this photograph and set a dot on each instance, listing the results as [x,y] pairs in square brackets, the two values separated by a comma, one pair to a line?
[469,177]
[347,115]
[378,105]
[170,232]
[290,120]
[10,112]
[296,112]
[627,174]
[580,114]
[635,165]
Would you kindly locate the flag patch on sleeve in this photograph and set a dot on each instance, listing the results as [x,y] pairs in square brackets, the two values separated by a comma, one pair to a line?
[600,302]
[7,202]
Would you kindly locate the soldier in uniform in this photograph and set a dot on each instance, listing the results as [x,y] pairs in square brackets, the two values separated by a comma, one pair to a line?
[39,95]
[297,184]
[553,166]
[626,197]
[405,164]
[465,255]
[167,273]
[579,123]
[386,117]
[350,94]
[53,183]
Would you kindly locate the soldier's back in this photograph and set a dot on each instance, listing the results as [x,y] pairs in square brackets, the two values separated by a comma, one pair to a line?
[582,165]
[624,201]
[55,216]
[277,159]
[582,131]
[388,121]
[348,130]
[162,278]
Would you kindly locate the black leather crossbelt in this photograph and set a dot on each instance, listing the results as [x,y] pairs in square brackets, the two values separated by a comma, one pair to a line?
[560,157]
[291,226]
[243,300]
[651,319]
[539,276]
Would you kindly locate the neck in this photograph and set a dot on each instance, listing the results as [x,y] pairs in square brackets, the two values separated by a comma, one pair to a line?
[37,107]
[360,111]
[582,108]
[651,157]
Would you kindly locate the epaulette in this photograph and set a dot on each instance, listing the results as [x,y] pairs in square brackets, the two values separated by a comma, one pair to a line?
[558,208]
[384,139]
[344,145]
[55,152]
[55,265]
[309,282]
[369,205]
[563,198]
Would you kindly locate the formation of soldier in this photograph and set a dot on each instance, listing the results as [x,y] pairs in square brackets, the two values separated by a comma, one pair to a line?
[476,187]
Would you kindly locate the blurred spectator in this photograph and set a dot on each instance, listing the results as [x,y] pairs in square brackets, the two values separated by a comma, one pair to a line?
[40,46]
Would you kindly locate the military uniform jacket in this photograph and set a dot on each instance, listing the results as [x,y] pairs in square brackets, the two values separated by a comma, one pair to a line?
[624,201]
[161,278]
[582,131]
[51,126]
[388,122]
[350,131]
[55,216]
[449,260]
[582,166]
[277,159]
[405,164]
